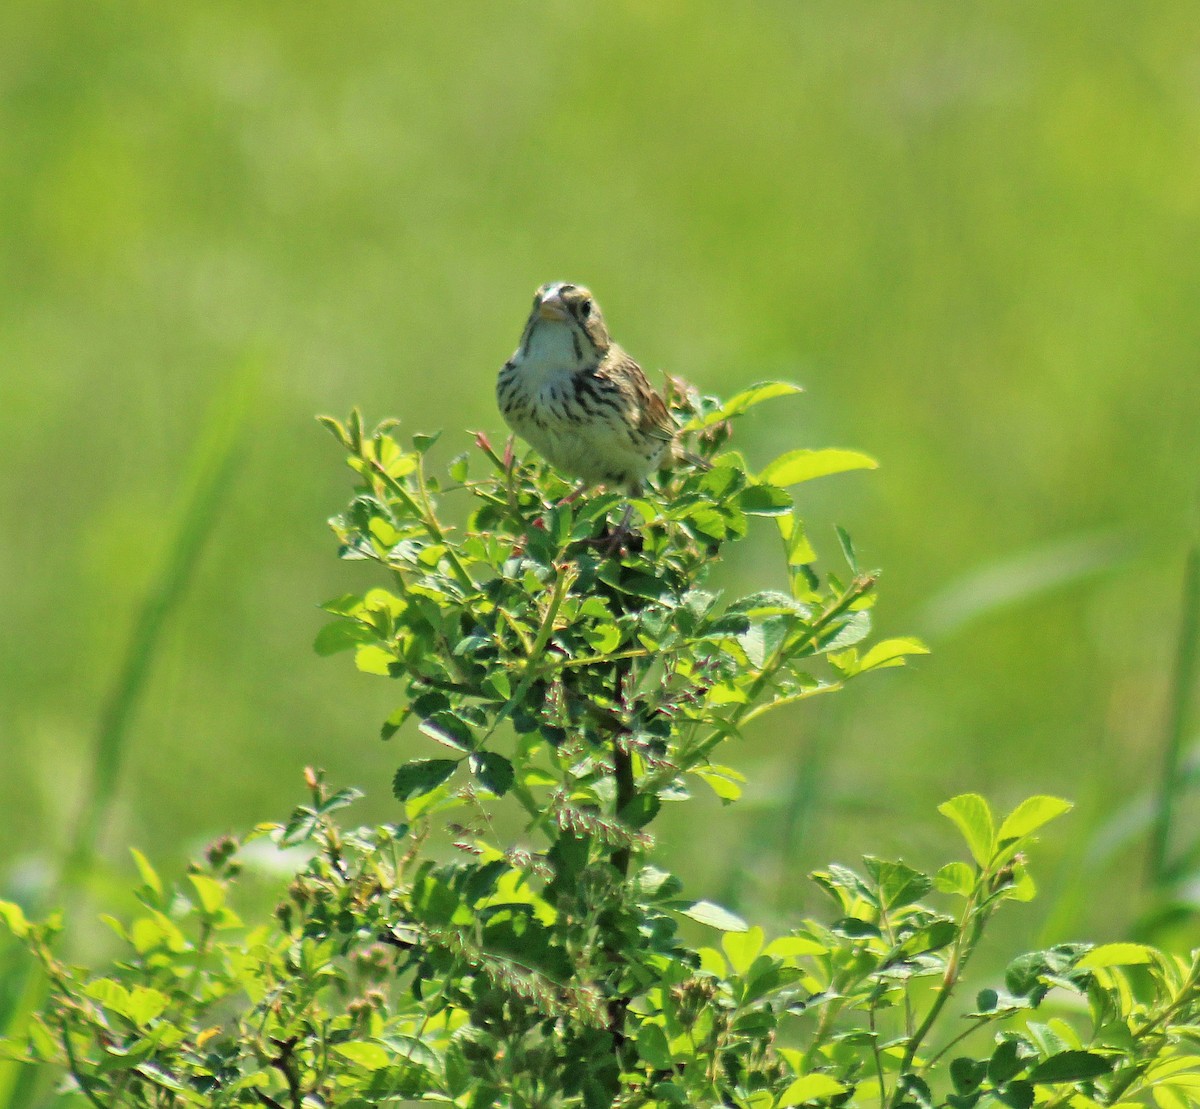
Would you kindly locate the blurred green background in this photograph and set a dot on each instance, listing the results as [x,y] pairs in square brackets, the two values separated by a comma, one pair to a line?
[969,230]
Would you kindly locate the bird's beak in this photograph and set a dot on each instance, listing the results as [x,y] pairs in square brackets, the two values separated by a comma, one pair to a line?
[552,307]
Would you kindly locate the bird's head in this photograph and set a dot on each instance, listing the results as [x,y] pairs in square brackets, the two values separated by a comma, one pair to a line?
[566,323]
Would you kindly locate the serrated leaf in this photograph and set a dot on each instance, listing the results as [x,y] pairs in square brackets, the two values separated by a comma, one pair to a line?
[448,729]
[955,877]
[415,779]
[707,912]
[1070,1066]
[803,465]
[973,818]
[1030,815]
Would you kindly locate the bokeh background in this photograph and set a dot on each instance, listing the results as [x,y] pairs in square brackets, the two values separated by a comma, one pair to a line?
[969,230]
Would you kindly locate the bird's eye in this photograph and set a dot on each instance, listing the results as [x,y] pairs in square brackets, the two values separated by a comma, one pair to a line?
[585,308]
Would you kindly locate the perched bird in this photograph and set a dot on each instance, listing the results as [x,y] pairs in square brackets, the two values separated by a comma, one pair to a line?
[579,399]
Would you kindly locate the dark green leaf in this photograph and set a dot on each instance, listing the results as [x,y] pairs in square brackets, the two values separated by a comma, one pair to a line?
[1070,1066]
[1017,1095]
[448,728]
[1006,1062]
[495,772]
[415,779]
[967,1074]
[765,500]
[847,545]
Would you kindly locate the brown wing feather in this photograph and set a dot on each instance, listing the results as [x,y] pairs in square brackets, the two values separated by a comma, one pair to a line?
[652,415]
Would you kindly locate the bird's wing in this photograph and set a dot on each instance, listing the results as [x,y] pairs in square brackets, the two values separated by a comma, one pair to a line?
[650,415]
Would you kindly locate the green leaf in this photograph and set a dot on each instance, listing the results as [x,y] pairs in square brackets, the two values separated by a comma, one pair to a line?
[1030,815]
[1070,1066]
[1006,1062]
[971,814]
[415,779]
[967,1074]
[804,465]
[653,1048]
[449,729]
[891,652]
[1117,955]
[740,402]
[706,912]
[847,545]
[365,1054]
[956,878]
[372,659]
[140,1004]
[341,635]
[742,947]
[495,772]
[145,1004]
[765,500]
[724,781]
[811,1087]
[14,917]
[1017,1095]
[210,892]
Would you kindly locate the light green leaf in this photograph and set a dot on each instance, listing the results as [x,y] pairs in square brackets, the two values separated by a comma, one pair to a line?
[794,947]
[748,398]
[652,1046]
[365,1054]
[955,878]
[341,635]
[742,948]
[1030,815]
[210,892]
[811,1087]
[724,781]
[971,814]
[14,917]
[804,465]
[891,652]
[706,912]
[148,874]
[1117,955]
[371,659]
[145,1004]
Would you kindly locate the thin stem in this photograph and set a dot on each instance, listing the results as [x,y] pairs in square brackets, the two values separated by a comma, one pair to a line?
[73,1067]
[959,954]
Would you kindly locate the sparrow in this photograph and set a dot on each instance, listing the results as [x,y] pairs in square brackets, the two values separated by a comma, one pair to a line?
[579,400]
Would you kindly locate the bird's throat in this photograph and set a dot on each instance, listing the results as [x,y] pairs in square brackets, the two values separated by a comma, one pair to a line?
[552,350]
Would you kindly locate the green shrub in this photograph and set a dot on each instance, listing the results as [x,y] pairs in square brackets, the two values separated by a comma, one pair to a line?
[509,940]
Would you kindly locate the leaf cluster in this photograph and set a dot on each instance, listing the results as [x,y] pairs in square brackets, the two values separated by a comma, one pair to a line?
[510,939]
